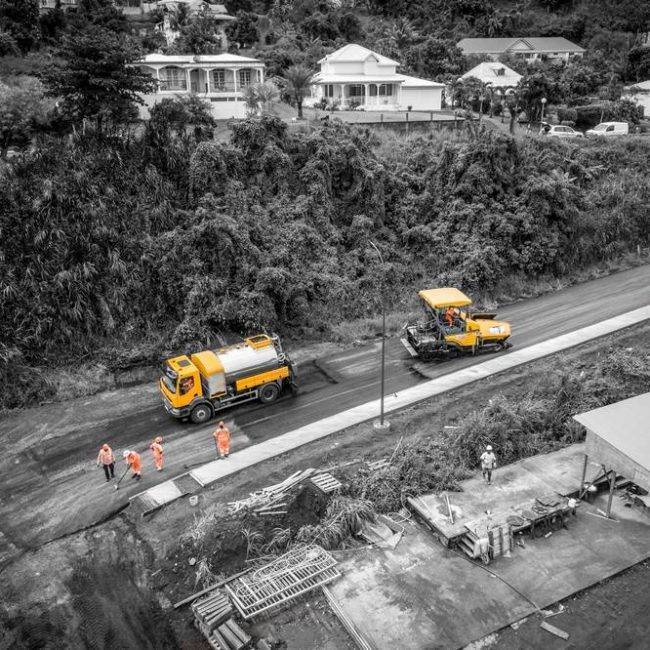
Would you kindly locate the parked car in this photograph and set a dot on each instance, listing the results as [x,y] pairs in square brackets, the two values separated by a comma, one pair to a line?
[559,131]
[606,129]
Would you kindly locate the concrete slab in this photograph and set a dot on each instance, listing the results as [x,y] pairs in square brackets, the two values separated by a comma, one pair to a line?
[522,482]
[254,454]
[422,595]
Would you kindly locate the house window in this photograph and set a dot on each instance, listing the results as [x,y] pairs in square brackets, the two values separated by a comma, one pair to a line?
[245,77]
[373,90]
[501,72]
[356,90]
[218,80]
[173,78]
[385,90]
[329,90]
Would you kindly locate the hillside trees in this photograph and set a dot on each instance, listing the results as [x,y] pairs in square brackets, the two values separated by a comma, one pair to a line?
[180,238]
[24,111]
[92,76]
[19,18]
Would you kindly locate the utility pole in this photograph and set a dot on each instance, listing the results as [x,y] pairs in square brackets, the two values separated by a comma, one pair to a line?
[382,424]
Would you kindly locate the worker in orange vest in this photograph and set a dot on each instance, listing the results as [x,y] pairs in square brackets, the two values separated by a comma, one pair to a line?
[134,461]
[222,438]
[106,459]
[157,451]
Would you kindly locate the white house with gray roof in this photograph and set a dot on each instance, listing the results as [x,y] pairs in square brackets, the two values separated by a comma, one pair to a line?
[496,75]
[217,78]
[529,48]
[354,77]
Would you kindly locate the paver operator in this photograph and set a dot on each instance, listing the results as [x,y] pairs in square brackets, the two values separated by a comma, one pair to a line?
[106,459]
[488,463]
[157,451]
[222,438]
[134,461]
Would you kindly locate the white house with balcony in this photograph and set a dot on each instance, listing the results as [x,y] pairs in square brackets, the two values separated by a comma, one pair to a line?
[216,78]
[355,77]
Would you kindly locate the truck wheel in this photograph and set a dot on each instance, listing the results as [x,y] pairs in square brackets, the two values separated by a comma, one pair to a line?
[269,393]
[200,414]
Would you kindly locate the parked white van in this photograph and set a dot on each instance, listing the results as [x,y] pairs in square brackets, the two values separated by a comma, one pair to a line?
[610,128]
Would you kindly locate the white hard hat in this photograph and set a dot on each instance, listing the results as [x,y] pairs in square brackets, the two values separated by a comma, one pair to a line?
[126,453]
[489,448]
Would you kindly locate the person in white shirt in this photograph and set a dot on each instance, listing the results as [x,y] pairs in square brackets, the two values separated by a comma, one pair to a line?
[488,463]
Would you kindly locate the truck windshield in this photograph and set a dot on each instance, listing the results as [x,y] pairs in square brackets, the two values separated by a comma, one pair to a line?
[170,384]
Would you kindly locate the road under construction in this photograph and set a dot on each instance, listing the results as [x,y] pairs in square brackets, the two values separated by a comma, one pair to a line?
[47,480]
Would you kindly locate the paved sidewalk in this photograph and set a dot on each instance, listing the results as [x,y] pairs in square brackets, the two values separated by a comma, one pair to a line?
[213,471]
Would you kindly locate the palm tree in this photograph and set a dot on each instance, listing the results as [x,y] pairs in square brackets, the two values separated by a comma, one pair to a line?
[297,81]
[259,96]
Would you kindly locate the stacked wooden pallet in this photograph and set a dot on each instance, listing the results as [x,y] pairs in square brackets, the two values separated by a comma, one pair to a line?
[212,611]
[326,483]
[272,500]
[229,636]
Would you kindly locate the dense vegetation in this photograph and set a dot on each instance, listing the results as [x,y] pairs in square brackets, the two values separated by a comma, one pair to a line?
[115,232]
[175,237]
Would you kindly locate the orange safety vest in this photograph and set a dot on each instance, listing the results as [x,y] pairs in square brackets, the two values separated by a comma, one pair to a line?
[156,448]
[105,457]
[222,436]
[134,461]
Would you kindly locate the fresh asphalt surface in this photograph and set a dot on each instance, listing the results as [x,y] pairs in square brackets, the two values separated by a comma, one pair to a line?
[49,485]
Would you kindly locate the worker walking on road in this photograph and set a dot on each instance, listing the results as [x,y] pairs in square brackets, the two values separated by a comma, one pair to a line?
[134,461]
[488,463]
[222,439]
[106,459]
[157,451]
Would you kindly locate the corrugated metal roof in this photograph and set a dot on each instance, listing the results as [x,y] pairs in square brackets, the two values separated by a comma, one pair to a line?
[414,82]
[487,73]
[197,58]
[354,52]
[360,79]
[502,45]
[624,425]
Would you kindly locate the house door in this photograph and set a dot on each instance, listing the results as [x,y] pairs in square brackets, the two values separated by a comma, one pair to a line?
[198,81]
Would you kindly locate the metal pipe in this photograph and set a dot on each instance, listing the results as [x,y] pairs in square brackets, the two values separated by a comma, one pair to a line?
[383,335]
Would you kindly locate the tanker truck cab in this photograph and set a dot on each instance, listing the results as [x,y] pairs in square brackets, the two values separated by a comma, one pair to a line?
[198,386]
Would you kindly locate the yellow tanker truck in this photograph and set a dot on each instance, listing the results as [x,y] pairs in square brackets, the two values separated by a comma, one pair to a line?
[449,329]
[198,386]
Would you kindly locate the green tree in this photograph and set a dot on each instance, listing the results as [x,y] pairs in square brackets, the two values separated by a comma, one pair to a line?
[20,19]
[199,34]
[638,65]
[8,45]
[531,89]
[93,77]
[259,97]
[434,57]
[244,31]
[297,83]
[24,110]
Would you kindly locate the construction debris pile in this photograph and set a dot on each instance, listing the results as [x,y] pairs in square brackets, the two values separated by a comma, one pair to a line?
[272,500]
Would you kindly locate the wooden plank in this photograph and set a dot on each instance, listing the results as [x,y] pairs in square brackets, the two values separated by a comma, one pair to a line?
[554,630]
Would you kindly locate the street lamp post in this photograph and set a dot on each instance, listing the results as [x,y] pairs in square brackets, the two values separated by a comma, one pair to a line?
[543,100]
[382,424]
